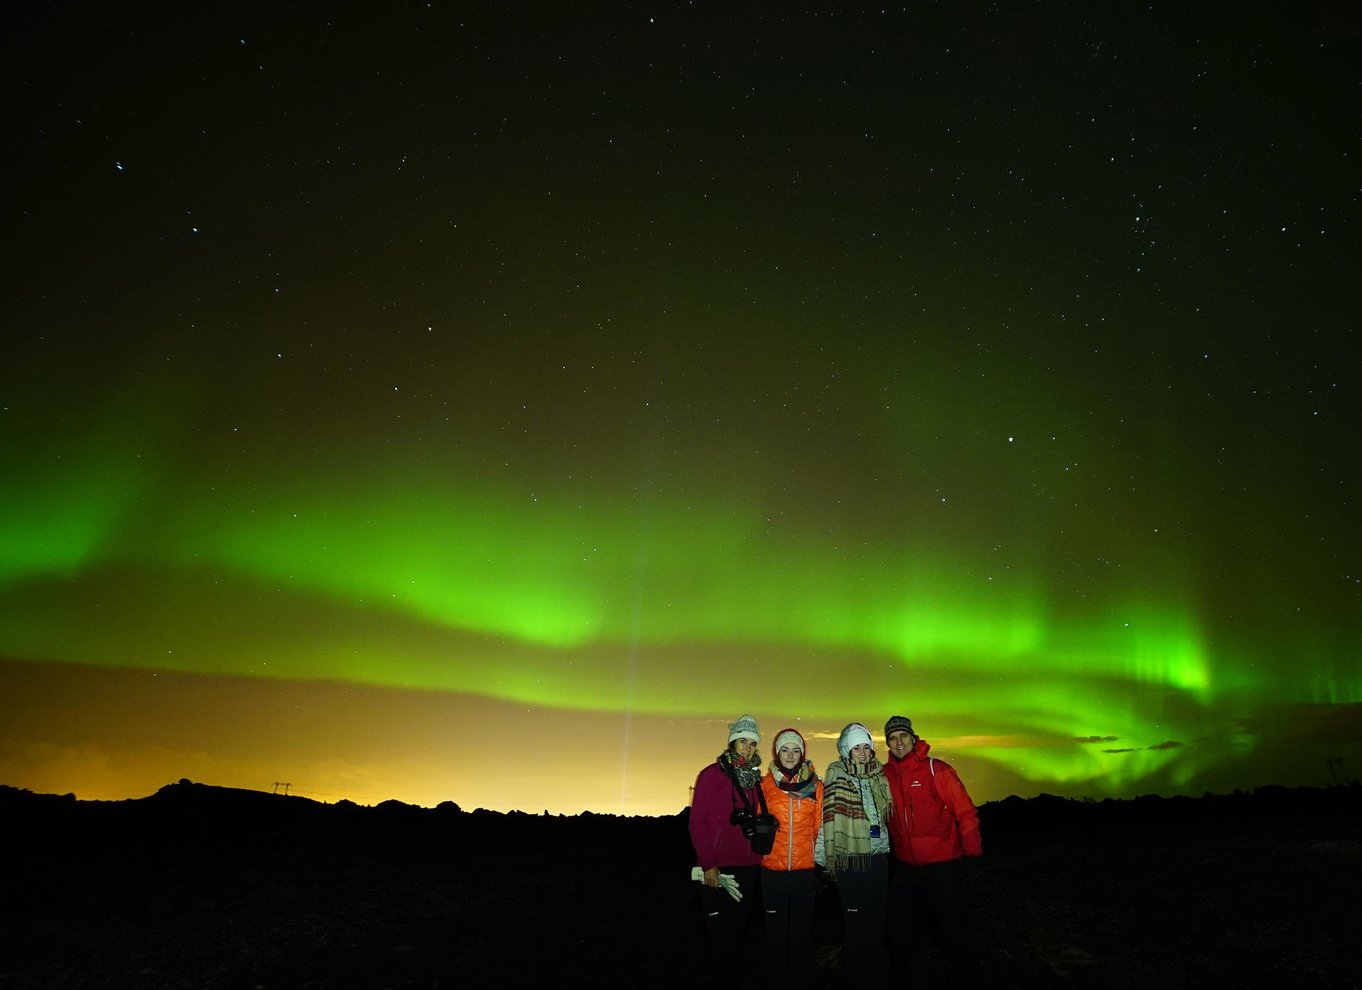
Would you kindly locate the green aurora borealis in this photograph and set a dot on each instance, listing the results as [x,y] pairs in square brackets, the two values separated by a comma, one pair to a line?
[461,418]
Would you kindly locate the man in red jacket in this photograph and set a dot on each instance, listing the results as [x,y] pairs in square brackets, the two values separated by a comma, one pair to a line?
[932,828]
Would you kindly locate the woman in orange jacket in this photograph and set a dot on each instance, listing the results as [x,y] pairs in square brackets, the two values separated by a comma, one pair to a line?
[794,795]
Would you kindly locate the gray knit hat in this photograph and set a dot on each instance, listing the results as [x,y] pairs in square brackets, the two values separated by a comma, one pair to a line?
[744,728]
[898,723]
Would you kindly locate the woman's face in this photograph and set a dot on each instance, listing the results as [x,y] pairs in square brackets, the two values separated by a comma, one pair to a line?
[744,748]
[790,756]
[861,753]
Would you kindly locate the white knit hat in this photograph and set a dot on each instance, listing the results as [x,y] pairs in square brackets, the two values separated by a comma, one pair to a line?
[852,736]
[787,737]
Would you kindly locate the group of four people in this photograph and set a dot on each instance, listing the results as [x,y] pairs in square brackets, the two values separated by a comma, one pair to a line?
[892,836]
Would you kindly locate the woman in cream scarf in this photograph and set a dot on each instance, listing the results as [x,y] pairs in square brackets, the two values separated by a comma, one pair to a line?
[853,845]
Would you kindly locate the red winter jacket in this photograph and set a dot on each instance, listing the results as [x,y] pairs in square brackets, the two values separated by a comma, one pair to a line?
[933,819]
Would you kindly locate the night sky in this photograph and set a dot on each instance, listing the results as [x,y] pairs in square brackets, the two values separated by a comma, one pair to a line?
[487,403]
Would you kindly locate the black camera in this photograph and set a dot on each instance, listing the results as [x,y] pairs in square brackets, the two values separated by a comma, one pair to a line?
[758,828]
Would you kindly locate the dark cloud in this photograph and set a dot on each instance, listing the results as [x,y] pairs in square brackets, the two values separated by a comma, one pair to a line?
[1167,744]
[1120,750]
[1095,739]
[1334,724]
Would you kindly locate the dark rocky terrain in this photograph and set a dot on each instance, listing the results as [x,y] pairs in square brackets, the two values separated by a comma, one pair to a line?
[207,887]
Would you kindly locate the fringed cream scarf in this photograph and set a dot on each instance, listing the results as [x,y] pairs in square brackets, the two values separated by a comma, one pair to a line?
[846,827]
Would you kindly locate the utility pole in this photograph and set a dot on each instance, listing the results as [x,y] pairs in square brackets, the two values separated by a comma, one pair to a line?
[1336,772]
[278,784]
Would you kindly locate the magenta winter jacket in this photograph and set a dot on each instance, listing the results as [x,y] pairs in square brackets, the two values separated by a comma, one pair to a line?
[717,841]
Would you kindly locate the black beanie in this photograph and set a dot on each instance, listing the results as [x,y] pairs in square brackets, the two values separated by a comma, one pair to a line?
[898,723]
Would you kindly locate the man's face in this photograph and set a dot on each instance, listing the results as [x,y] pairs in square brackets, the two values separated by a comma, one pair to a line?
[790,756]
[900,743]
[745,748]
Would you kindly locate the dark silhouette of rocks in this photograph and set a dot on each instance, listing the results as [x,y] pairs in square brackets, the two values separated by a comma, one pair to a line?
[207,887]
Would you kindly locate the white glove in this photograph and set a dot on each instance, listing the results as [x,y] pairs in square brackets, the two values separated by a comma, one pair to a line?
[726,880]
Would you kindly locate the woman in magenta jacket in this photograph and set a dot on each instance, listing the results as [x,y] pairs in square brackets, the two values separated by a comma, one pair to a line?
[729,783]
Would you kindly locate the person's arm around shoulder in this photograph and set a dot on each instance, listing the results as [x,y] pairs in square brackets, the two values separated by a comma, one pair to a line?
[773,794]
[705,819]
[819,852]
[966,815]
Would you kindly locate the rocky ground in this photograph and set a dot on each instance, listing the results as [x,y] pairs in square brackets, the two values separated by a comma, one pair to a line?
[202,887]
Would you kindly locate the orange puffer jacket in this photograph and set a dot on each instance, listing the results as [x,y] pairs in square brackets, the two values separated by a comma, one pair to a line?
[799,819]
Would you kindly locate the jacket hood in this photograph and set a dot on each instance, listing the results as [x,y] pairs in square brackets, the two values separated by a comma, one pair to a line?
[919,751]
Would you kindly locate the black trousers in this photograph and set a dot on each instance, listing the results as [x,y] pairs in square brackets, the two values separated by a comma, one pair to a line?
[730,928]
[864,895]
[787,898]
[929,907]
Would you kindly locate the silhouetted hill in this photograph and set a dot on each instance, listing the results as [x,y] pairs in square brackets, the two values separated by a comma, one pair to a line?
[202,886]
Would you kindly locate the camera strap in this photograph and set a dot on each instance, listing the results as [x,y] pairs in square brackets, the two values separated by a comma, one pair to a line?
[742,796]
